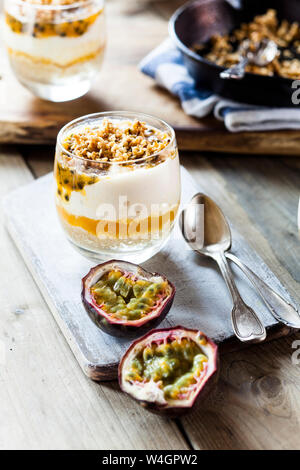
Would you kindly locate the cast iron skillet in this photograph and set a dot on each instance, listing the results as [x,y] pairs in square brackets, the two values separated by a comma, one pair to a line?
[197,21]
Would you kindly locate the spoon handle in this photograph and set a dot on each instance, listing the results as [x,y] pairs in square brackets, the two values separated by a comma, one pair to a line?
[280,308]
[246,325]
[237,71]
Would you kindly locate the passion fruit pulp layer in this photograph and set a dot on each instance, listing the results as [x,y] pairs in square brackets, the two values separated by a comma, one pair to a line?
[124,297]
[175,365]
[44,29]
[68,180]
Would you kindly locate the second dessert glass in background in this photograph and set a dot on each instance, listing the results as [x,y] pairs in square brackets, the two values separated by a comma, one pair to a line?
[123,205]
[55,50]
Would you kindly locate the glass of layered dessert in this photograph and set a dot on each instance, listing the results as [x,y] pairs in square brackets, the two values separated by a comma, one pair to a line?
[117,184]
[55,47]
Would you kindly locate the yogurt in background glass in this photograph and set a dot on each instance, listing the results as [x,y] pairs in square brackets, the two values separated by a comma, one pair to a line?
[55,48]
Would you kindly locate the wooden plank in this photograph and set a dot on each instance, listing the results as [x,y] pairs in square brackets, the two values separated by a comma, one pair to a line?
[45,400]
[120,85]
[213,137]
[256,404]
[39,158]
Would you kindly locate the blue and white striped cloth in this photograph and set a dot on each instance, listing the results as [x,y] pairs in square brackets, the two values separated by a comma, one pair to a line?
[165,65]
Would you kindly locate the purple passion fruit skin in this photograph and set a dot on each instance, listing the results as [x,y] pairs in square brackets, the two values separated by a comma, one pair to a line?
[170,371]
[124,300]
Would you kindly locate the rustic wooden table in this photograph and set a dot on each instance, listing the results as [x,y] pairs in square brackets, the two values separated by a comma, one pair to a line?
[46,402]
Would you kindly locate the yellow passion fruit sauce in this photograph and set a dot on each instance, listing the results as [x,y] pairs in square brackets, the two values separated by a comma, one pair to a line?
[44,29]
[69,180]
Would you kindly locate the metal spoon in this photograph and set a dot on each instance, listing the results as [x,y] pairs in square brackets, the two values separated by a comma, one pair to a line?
[264,53]
[282,310]
[213,241]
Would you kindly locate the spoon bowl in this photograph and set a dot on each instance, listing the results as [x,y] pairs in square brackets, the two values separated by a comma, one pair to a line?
[263,54]
[204,226]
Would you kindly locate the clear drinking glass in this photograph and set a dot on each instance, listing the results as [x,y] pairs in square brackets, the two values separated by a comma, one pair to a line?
[121,210]
[55,50]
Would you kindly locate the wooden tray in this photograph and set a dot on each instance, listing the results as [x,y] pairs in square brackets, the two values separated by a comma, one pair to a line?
[120,86]
[202,300]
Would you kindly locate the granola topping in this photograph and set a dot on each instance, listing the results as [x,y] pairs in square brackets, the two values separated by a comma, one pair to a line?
[118,141]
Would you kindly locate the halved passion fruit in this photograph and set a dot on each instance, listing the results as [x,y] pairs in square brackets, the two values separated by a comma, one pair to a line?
[169,370]
[125,300]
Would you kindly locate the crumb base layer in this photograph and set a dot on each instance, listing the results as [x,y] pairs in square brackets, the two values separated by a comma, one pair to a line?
[103,250]
[54,83]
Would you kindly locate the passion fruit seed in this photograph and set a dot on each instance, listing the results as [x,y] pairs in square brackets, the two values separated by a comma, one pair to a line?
[48,29]
[125,300]
[123,297]
[175,366]
[67,181]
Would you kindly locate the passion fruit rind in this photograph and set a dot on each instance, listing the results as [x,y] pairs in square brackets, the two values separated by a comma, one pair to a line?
[135,299]
[170,371]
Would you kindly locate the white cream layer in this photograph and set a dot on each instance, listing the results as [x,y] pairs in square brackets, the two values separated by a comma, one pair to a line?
[60,50]
[153,190]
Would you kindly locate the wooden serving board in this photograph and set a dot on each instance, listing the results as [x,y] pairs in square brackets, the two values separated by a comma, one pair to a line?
[134,28]
[202,300]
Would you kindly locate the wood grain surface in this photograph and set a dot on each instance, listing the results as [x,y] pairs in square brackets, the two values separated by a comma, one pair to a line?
[134,28]
[256,403]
